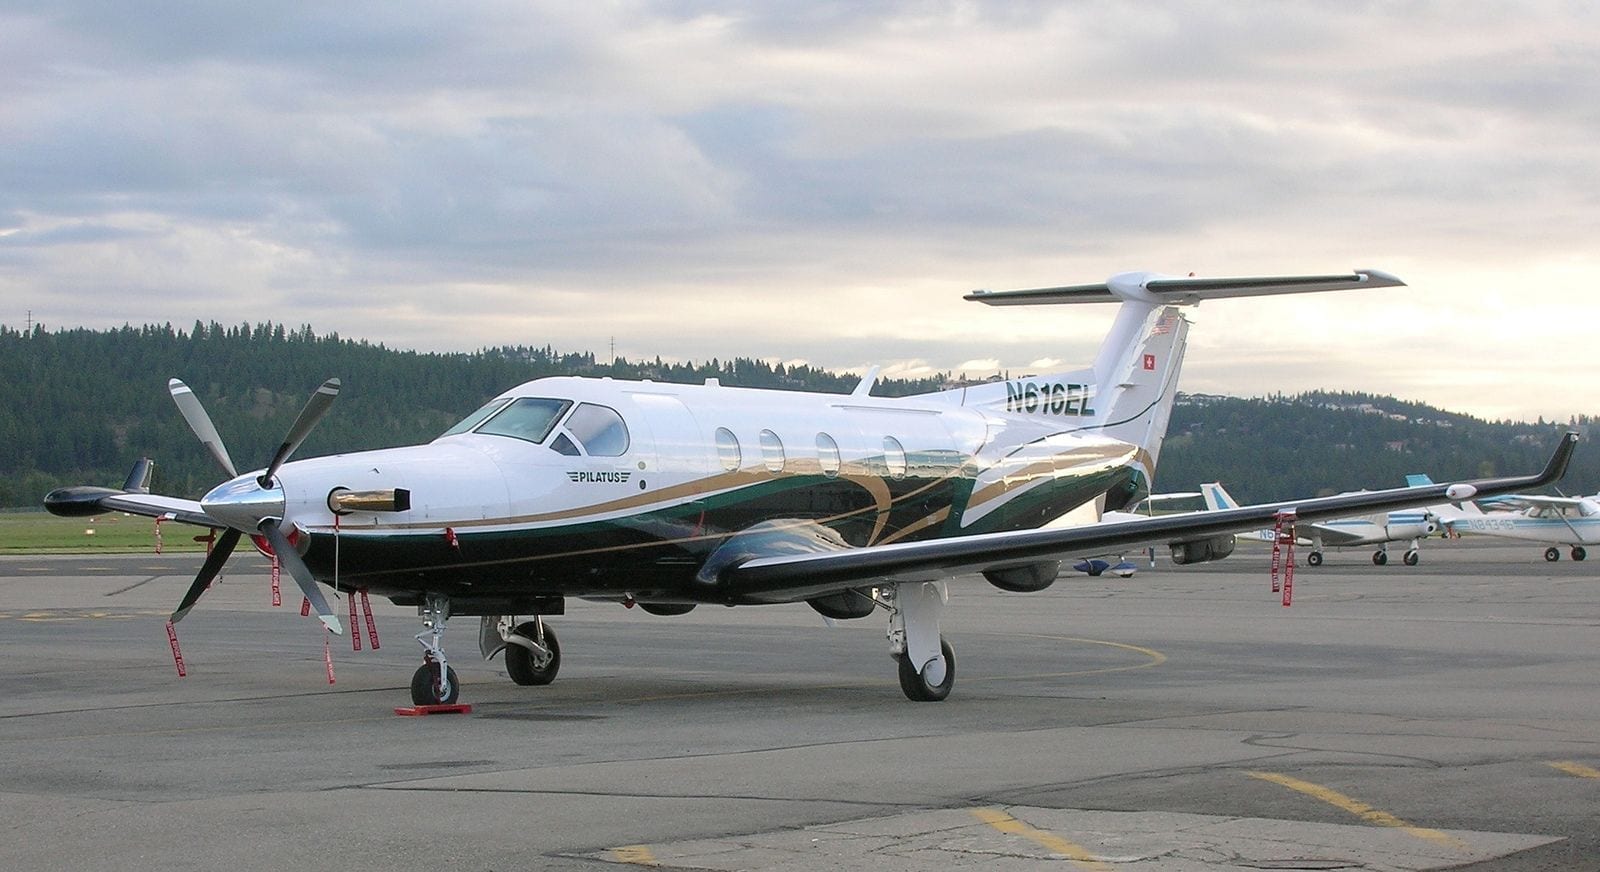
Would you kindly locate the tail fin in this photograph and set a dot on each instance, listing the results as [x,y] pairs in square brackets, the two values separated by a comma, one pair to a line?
[1217,499]
[1128,393]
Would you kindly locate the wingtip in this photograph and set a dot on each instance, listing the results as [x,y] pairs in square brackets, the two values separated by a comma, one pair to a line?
[333,625]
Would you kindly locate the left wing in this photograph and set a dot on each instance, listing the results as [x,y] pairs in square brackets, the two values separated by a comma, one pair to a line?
[804,576]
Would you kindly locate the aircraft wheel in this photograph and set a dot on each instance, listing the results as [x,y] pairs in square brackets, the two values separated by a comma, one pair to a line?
[425,686]
[1379,558]
[1552,554]
[521,664]
[1411,558]
[1578,553]
[916,687]
[1314,558]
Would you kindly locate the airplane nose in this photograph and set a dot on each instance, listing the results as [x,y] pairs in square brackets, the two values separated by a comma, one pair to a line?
[243,503]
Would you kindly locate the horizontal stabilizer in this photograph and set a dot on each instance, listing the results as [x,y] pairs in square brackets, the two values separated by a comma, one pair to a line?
[1158,289]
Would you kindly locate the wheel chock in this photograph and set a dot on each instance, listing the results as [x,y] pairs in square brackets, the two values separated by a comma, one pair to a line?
[413,711]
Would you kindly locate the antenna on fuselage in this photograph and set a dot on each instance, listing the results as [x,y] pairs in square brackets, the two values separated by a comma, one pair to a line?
[864,387]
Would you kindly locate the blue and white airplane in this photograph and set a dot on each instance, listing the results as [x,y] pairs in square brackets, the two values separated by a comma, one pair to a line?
[1556,521]
[1378,529]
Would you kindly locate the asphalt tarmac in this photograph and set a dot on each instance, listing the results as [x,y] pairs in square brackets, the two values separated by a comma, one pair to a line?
[1439,716]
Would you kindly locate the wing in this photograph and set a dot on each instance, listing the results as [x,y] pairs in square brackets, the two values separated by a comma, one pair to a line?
[1341,531]
[1531,500]
[134,498]
[800,577]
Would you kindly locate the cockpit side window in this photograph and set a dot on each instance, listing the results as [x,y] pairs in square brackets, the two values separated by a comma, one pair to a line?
[529,418]
[476,418]
[600,430]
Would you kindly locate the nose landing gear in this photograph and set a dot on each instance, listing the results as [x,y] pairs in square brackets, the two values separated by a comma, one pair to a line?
[434,682]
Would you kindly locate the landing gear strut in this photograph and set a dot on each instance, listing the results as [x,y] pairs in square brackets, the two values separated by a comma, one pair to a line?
[434,682]
[925,661]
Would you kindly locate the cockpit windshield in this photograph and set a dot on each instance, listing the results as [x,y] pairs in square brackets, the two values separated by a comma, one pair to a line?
[527,418]
[476,418]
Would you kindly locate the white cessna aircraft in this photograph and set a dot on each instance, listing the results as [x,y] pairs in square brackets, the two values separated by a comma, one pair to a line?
[1571,521]
[1377,529]
[671,496]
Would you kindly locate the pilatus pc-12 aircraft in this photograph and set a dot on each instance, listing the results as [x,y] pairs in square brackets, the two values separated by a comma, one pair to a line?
[674,496]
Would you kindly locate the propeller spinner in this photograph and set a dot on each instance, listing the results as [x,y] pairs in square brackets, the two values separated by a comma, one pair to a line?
[253,504]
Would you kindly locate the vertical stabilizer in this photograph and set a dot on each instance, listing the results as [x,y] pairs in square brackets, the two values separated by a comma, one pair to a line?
[1128,393]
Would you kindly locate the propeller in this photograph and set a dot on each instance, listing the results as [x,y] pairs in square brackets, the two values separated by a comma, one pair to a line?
[200,423]
[247,505]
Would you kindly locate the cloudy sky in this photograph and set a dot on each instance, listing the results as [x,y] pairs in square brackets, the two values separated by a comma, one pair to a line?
[821,181]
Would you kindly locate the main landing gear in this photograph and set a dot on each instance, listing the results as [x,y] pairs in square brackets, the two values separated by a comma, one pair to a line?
[925,661]
[1553,553]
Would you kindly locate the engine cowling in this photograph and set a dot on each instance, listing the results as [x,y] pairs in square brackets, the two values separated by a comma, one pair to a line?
[1202,550]
[1025,579]
[1415,530]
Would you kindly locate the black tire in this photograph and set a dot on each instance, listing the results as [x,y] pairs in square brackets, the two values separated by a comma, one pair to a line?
[1552,554]
[1379,558]
[425,686]
[1314,558]
[519,660]
[918,690]
[1578,553]
[1412,558]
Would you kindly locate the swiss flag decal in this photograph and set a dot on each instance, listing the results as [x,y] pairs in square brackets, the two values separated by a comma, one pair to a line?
[1150,362]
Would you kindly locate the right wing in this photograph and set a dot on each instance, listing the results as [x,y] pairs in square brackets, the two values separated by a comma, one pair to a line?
[791,578]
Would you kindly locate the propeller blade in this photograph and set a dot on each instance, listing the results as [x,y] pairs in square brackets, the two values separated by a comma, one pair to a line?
[200,423]
[290,559]
[315,408]
[208,572]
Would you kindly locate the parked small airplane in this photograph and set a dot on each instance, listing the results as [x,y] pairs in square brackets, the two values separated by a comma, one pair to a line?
[1099,564]
[1378,529]
[671,496]
[1570,521]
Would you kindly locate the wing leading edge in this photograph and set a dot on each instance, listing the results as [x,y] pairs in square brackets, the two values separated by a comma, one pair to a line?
[793,578]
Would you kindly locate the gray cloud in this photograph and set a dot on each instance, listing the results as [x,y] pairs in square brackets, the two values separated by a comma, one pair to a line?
[828,176]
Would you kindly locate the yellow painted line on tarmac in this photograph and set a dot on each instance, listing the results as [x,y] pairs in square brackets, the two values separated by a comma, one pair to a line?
[1153,658]
[637,855]
[1009,825]
[1577,769]
[1358,808]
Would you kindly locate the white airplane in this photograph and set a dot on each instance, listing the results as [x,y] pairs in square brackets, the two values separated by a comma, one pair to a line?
[671,496]
[1376,529]
[1570,521]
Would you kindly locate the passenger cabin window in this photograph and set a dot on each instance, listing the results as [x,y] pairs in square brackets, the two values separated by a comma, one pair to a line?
[476,418]
[894,457]
[771,451]
[828,454]
[599,430]
[728,449]
[528,418]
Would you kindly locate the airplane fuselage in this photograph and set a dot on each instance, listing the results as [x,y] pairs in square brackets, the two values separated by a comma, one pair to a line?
[617,489]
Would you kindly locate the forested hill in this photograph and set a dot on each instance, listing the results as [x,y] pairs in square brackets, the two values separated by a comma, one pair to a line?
[79,406]
[1318,443]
